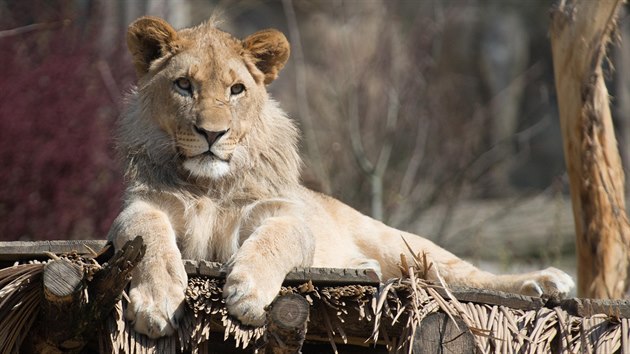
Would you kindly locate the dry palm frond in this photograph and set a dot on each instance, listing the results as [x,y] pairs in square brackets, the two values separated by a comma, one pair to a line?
[411,299]
[20,294]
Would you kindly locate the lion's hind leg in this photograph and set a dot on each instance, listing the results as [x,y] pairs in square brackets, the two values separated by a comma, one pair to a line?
[455,271]
[550,281]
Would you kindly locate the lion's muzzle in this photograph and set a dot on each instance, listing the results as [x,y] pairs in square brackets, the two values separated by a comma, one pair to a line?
[210,136]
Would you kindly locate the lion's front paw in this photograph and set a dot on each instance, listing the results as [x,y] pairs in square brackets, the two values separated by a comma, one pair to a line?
[550,281]
[248,293]
[156,303]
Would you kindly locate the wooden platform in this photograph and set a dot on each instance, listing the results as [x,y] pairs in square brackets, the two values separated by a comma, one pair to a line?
[348,311]
[29,250]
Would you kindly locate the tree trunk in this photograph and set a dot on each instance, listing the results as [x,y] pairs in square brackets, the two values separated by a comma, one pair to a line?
[580,31]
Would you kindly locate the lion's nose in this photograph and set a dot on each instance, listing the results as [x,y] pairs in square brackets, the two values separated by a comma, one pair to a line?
[211,136]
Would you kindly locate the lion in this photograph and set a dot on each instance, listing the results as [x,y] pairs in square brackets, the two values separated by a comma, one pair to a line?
[213,173]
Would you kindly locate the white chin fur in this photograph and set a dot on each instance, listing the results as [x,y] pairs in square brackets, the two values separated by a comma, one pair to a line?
[214,168]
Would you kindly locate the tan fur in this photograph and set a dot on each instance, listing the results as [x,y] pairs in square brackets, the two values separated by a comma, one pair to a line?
[242,204]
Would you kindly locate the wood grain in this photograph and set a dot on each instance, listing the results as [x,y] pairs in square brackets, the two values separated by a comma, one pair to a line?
[28,250]
[438,333]
[286,324]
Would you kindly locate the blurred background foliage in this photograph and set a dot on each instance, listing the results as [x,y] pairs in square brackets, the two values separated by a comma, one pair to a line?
[435,116]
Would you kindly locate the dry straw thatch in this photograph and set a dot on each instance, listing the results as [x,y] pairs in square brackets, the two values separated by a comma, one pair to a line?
[20,294]
[392,313]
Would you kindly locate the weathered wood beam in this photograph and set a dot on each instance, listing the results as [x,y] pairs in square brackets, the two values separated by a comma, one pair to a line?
[286,324]
[320,276]
[493,297]
[591,307]
[108,283]
[29,250]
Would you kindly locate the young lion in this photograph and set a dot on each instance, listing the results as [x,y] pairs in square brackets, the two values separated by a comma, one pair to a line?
[213,173]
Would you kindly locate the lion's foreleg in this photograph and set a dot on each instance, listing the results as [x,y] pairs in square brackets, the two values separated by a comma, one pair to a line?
[256,271]
[159,281]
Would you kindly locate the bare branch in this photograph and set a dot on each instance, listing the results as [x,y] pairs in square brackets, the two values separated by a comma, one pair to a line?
[302,98]
[408,181]
[109,82]
[393,108]
[355,133]
[34,27]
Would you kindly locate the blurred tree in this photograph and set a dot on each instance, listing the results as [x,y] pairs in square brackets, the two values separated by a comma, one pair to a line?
[580,32]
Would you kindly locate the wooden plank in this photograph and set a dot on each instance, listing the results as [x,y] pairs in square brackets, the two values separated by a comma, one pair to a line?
[27,250]
[492,297]
[590,307]
[211,269]
[320,276]
[439,334]
[574,306]
[191,267]
[333,276]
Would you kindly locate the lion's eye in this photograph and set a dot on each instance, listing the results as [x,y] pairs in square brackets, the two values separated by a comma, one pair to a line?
[184,85]
[237,89]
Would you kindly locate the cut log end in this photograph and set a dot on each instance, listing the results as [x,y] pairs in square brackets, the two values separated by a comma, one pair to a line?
[62,279]
[66,303]
[286,324]
[289,311]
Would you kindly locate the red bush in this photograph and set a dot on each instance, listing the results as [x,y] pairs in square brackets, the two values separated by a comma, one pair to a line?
[59,178]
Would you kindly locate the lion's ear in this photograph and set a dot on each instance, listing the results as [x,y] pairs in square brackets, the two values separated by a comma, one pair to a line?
[270,50]
[149,38]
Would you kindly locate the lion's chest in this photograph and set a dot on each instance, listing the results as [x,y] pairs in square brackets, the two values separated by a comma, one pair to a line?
[207,232]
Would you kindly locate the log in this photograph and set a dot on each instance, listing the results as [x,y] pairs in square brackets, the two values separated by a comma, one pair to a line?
[75,307]
[62,281]
[438,333]
[286,324]
[63,306]
[108,283]
[580,31]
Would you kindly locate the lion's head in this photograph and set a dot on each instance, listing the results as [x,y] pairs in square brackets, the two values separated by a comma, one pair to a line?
[201,110]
